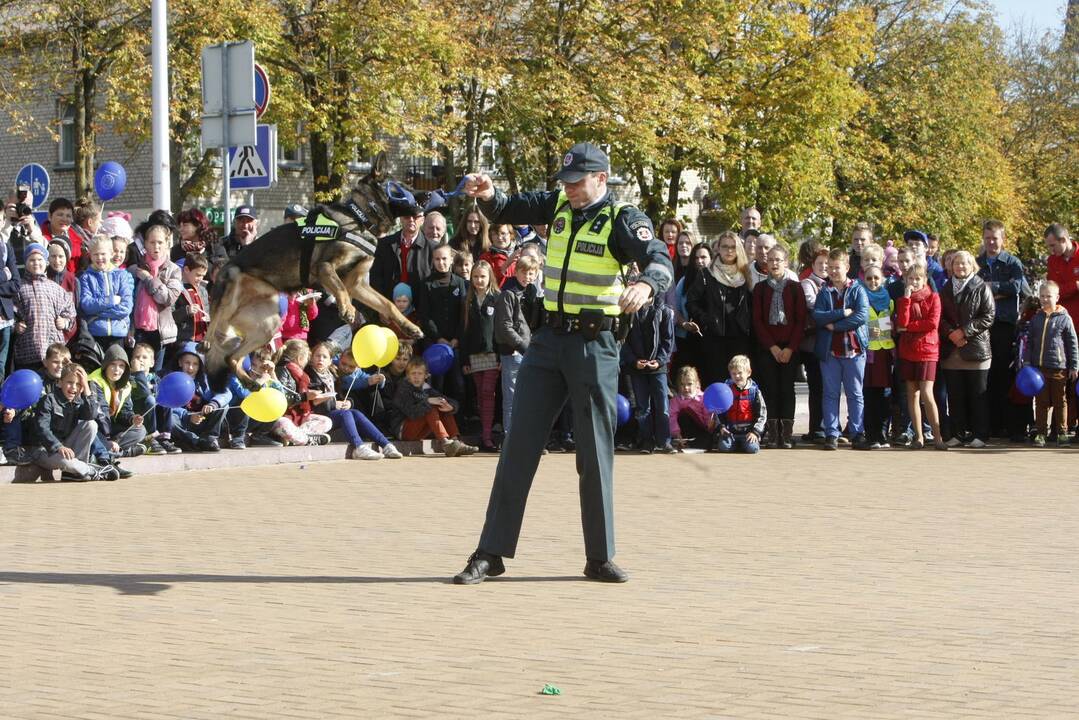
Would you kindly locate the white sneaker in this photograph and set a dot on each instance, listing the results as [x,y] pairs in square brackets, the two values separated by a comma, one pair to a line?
[390,452]
[954,442]
[365,452]
[976,443]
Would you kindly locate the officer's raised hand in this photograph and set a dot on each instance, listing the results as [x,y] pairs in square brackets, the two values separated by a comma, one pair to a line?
[479,186]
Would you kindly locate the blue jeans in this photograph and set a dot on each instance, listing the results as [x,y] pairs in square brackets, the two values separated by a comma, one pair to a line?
[843,374]
[738,442]
[5,348]
[511,365]
[653,411]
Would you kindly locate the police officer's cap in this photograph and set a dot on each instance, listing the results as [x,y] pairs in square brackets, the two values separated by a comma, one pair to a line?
[582,159]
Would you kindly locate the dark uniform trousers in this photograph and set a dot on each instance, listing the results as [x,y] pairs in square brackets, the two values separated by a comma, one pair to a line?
[559,365]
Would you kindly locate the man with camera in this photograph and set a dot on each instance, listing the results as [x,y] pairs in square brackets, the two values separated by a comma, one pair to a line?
[17,230]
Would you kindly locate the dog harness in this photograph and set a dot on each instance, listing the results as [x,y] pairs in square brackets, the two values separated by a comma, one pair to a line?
[319,227]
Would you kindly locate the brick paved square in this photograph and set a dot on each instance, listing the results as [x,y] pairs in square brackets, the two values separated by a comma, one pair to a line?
[796,584]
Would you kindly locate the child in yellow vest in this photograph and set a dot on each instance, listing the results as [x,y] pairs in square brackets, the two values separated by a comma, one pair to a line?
[877,384]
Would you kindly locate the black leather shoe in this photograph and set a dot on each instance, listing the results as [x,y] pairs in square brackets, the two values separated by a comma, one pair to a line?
[480,566]
[605,571]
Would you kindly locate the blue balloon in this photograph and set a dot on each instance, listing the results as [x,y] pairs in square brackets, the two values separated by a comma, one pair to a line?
[246,363]
[624,410]
[1029,381]
[21,390]
[282,304]
[110,180]
[439,358]
[175,390]
[718,397]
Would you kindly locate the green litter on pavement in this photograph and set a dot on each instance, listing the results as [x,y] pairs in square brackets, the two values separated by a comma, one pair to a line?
[549,689]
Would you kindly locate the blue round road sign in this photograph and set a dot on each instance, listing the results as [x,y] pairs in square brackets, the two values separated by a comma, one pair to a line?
[37,178]
[262,91]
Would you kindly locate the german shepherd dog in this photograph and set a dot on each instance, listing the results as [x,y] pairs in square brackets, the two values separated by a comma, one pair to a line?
[244,304]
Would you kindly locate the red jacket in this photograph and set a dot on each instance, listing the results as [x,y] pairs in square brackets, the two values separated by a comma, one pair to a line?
[498,261]
[919,317]
[1065,273]
[794,305]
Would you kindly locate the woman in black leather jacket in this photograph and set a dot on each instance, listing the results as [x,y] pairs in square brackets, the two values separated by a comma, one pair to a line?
[720,304]
[967,311]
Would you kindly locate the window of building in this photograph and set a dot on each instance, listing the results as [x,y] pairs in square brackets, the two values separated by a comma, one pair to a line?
[66,147]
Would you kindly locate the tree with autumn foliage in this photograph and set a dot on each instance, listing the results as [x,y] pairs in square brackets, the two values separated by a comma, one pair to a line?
[82,51]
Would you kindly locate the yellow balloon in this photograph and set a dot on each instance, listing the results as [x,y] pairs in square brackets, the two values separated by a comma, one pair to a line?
[392,345]
[265,405]
[369,345]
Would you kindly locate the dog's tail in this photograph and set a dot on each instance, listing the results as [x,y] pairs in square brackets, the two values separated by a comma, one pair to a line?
[225,277]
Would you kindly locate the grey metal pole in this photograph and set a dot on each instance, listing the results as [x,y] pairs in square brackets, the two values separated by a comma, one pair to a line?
[160,102]
[225,149]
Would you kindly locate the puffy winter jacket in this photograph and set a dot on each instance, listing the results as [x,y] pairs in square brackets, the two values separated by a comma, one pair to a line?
[972,311]
[919,318]
[106,298]
[1051,341]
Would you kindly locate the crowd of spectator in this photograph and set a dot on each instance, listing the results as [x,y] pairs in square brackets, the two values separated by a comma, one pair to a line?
[924,343]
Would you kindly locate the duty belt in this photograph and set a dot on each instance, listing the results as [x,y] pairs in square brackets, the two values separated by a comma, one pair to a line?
[567,323]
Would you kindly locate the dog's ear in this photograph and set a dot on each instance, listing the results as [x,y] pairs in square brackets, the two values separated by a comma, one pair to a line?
[379,166]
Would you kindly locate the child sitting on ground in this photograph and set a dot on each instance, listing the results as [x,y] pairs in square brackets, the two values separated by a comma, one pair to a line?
[741,426]
[119,429]
[18,423]
[420,411]
[198,424]
[299,425]
[157,419]
[64,428]
[354,423]
[1052,348]
[688,415]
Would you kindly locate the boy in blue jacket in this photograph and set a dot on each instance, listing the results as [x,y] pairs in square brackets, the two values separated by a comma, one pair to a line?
[198,424]
[840,314]
[645,355]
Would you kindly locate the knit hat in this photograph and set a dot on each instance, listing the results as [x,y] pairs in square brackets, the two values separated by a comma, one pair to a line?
[63,244]
[403,289]
[117,226]
[35,248]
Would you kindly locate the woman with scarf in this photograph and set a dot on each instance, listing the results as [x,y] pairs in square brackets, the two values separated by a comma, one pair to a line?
[196,236]
[687,334]
[719,304]
[812,282]
[779,320]
[44,311]
[967,312]
[158,284]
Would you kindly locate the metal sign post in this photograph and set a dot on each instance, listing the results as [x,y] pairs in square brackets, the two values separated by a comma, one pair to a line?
[228,104]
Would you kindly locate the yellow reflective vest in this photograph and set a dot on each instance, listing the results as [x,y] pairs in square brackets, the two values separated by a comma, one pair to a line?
[581,273]
[884,341]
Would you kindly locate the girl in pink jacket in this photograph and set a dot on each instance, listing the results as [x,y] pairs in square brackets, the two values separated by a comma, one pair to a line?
[687,408]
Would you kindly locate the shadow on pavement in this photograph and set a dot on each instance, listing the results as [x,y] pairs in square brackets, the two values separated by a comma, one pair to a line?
[152,584]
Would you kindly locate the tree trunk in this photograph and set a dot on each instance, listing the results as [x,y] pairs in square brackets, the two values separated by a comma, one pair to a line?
[673,188]
[84,131]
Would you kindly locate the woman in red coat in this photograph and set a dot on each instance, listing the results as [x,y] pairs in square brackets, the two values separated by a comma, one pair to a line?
[918,319]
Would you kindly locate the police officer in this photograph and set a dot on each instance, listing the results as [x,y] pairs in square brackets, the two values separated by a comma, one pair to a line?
[591,239]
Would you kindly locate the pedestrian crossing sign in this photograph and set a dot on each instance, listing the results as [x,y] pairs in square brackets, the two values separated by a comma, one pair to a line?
[253,167]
